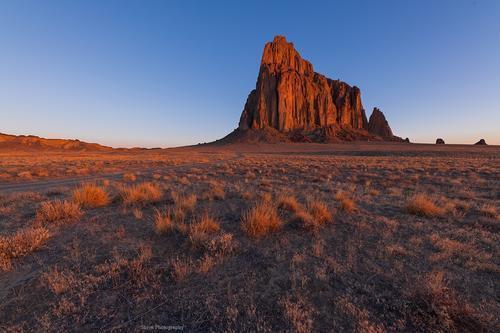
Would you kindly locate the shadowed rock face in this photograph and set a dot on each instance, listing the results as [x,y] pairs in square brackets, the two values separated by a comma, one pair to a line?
[481,142]
[439,141]
[378,125]
[289,95]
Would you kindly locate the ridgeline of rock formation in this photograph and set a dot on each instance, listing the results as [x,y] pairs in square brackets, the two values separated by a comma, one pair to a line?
[31,142]
[292,102]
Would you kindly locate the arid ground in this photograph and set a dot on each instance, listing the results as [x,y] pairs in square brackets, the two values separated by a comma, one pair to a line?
[300,237]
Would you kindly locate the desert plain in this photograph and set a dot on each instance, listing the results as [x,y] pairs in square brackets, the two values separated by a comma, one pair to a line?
[366,237]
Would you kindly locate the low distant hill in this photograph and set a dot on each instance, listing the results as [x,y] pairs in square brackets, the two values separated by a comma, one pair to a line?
[31,142]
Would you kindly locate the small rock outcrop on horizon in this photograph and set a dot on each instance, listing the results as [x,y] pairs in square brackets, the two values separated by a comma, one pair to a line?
[292,102]
[481,142]
[439,141]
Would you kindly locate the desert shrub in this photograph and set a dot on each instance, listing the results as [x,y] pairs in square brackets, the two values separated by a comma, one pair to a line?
[181,269]
[20,244]
[305,219]
[443,307]
[90,196]
[57,210]
[184,202]
[163,221]
[420,204]
[299,314]
[319,211]
[141,194]
[199,230]
[215,192]
[221,245]
[288,202]
[346,203]
[261,219]
[488,210]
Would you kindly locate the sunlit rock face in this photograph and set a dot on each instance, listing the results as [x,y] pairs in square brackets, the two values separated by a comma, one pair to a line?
[289,95]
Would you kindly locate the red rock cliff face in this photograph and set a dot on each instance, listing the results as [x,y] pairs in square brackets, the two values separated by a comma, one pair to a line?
[289,95]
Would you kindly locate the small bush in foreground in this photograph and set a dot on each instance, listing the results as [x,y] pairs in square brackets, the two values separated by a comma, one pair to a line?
[20,244]
[57,210]
[346,203]
[288,202]
[199,230]
[90,196]
[184,202]
[261,219]
[163,221]
[319,211]
[141,194]
[420,204]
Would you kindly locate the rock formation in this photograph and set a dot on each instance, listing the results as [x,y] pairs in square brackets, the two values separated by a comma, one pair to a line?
[439,141]
[378,125]
[294,102]
[31,142]
[481,142]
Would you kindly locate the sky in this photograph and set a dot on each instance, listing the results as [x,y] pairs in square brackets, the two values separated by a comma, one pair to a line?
[168,73]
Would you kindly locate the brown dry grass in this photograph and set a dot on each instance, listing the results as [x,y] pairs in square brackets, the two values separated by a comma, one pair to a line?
[20,244]
[163,221]
[96,274]
[346,203]
[201,228]
[90,196]
[421,204]
[184,202]
[142,194]
[261,219]
[319,211]
[488,210]
[58,210]
[288,202]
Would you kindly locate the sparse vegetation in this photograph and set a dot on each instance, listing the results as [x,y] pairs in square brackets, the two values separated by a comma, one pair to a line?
[421,204]
[163,221]
[90,196]
[142,193]
[346,203]
[261,219]
[58,210]
[205,269]
[20,244]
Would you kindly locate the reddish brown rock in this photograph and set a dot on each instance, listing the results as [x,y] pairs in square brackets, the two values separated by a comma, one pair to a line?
[378,125]
[291,102]
[289,95]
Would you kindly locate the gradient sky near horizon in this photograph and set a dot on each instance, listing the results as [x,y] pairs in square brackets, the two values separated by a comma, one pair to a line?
[167,73]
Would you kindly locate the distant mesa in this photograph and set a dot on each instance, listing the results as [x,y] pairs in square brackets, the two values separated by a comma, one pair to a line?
[291,102]
[481,142]
[439,141]
[31,142]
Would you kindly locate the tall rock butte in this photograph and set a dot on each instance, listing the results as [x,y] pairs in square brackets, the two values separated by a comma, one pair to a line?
[293,102]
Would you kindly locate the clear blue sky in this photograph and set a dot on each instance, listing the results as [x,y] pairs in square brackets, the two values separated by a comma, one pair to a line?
[166,73]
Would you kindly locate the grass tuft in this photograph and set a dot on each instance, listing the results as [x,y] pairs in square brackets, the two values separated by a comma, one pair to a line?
[261,219]
[90,196]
